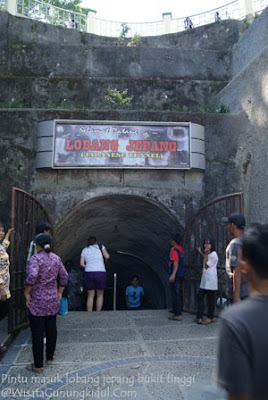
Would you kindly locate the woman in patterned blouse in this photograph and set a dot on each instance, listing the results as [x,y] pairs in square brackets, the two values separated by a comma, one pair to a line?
[42,299]
[4,269]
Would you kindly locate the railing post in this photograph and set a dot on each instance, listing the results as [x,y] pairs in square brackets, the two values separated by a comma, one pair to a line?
[11,6]
[91,14]
[167,17]
[114,297]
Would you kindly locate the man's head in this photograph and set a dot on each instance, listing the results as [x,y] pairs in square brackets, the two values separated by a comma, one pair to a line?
[175,240]
[255,252]
[235,223]
[135,280]
[43,227]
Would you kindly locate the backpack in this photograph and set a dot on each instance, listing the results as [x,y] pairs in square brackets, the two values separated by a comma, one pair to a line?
[180,272]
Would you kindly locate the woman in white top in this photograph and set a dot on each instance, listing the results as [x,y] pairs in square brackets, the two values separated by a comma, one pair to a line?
[209,281]
[92,260]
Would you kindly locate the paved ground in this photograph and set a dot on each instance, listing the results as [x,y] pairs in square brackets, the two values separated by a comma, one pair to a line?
[118,355]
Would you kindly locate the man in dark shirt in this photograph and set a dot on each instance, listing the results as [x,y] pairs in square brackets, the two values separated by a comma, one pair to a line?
[243,346]
[237,287]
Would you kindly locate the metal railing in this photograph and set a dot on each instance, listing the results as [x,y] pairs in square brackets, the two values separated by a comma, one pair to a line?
[45,12]
[231,10]
[87,21]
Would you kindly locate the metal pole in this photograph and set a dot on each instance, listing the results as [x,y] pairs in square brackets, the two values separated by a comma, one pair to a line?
[114,308]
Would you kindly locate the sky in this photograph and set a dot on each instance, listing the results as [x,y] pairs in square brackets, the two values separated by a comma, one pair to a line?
[149,10]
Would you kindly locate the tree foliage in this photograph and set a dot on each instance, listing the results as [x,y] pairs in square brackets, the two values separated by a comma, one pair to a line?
[72,5]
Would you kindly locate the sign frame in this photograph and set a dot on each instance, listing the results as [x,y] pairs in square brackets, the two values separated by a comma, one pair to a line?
[188,125]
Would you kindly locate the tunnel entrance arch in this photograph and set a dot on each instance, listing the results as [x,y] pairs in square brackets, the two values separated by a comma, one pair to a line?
[136,231]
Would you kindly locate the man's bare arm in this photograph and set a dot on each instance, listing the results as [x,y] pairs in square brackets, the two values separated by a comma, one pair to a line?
[237,279]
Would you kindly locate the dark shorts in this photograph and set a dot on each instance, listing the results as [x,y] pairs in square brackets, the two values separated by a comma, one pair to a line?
[95,280]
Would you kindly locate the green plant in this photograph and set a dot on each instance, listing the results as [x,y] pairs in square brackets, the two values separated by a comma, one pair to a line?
[222,109]
[135,41]
[117,98]
[124,30]
[49,105]
[12,104]
[246,163]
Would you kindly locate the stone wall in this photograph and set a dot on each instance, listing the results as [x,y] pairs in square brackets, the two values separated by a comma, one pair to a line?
[247,94]
[223,134]
[251,44]
[134,211]
[167,71]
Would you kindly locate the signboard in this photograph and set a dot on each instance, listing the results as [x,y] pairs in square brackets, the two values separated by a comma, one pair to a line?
[99,144]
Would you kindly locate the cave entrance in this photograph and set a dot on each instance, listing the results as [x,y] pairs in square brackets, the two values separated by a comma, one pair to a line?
[136,231]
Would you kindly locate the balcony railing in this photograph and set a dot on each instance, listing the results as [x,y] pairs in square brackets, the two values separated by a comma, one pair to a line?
[87,21]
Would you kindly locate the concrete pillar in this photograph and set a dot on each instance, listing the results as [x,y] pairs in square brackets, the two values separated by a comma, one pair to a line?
[91,14]
[248,7]
[167,17]
[11,6]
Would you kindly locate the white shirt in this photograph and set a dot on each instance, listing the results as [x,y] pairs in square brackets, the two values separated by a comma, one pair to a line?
[209,280]
[93,258]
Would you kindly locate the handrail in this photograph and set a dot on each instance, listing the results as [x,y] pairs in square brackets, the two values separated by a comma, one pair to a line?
[114,297]
[87,21]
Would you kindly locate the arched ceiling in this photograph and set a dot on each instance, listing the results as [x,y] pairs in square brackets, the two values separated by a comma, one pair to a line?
[127,223]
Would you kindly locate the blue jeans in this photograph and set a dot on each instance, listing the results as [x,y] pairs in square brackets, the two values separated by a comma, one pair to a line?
[176,288]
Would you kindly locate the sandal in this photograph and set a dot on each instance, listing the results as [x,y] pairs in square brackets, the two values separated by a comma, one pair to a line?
[32,368]
[49,362]
[208,321]
[175,318]
[198,321]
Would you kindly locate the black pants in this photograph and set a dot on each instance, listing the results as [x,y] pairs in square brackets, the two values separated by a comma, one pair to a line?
[40,327]
[4,308]
[211,296]
[177,295]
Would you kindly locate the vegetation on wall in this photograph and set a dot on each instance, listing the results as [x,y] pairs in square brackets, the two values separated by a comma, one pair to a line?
[118,99]
[115,100]
[124,30]
[134,41]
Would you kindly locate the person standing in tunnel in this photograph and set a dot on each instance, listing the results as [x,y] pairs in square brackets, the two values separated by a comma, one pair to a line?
[92,260]
[41,227]
[176,277]
[134,294]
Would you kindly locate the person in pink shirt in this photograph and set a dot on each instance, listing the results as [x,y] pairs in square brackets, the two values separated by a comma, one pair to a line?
[42,299]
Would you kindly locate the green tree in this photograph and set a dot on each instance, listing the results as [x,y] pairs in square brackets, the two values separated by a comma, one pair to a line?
[72,5]
[124,30]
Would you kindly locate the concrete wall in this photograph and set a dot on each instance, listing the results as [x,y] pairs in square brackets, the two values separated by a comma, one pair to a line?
[209,37]
[251,44]
[131,211]
[247,94]
[162,72]
[172,188]
[134,211]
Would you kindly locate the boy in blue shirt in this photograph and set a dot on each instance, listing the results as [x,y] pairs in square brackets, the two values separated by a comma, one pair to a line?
[134,292]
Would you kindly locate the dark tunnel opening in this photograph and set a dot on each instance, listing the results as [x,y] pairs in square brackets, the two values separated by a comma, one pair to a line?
[136,231]
[125,265]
